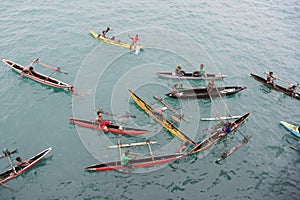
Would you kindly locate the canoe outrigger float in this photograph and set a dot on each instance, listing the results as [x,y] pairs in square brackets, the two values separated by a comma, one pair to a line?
[217,136]
[113,42]
[164,122]
[276,87]
[111,127]
[16,171]
[233,149]
[39,77]
[141,162]
[8,153]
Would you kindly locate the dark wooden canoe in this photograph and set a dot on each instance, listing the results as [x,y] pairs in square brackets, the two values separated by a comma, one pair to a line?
[202,92]
[173,75]
[142,162]
[6,176]
[39,77]
[215,137]
[111,127]
[277,87]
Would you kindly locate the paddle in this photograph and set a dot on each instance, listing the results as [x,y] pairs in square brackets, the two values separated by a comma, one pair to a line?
[117,115]
[50,67]
[170,108]
[9,160]
[6,186]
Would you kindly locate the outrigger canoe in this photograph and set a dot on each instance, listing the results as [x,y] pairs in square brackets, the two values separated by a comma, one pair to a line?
[111,127]
[199,93]
[6,176]
[292,128]
[39,77]
[142,162]
[173,75]
[113,42]
[164,122]
[276,87]
[215,137]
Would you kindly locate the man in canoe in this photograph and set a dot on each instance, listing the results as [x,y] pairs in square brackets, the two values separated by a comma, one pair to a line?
[125,159]
[134,41]
[105,31]
[159,111]
[100,122]
[270,79]
[199,73]
[210,86]
[178,71]
[20,163]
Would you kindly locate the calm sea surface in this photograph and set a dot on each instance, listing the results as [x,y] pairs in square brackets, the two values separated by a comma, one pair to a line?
[235,38]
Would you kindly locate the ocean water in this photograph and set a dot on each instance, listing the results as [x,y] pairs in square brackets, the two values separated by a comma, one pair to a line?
[235,38]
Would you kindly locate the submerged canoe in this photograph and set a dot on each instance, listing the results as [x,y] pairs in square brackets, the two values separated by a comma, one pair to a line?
[276,87]
[173,75]
[202,92]
[39,77]
[164,122]
[6,176]
[111,127]
[215,137]
[233,149]
[142,162]
[113,42]
[292,128]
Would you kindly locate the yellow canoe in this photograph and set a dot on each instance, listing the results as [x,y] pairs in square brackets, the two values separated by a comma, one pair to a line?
[164,122]
[113,42]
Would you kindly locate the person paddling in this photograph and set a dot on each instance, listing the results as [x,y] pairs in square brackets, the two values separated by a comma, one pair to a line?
[20,163]
[100,122]
[134,41]
[126,158]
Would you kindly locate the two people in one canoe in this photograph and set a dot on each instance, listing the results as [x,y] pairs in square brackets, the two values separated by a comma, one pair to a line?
[134,41]
[126,158]
[20,163]
[100,122]
[200,73]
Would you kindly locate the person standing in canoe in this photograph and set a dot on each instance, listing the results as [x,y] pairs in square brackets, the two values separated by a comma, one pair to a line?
[134,41]
[200,73]
[125,159]
[100,122]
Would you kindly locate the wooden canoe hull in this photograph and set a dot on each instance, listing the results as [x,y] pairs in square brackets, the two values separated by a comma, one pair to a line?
[215,137]
[111,127]
[164,122]
[136,163]
[113,42]
[277,87]
[172,75]
[39,77]
[198,93]
[6,176]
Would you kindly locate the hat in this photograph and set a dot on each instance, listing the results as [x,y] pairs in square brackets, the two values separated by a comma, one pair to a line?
[164,108]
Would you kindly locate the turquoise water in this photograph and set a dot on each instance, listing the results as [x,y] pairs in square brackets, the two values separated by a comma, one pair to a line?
[229,37]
